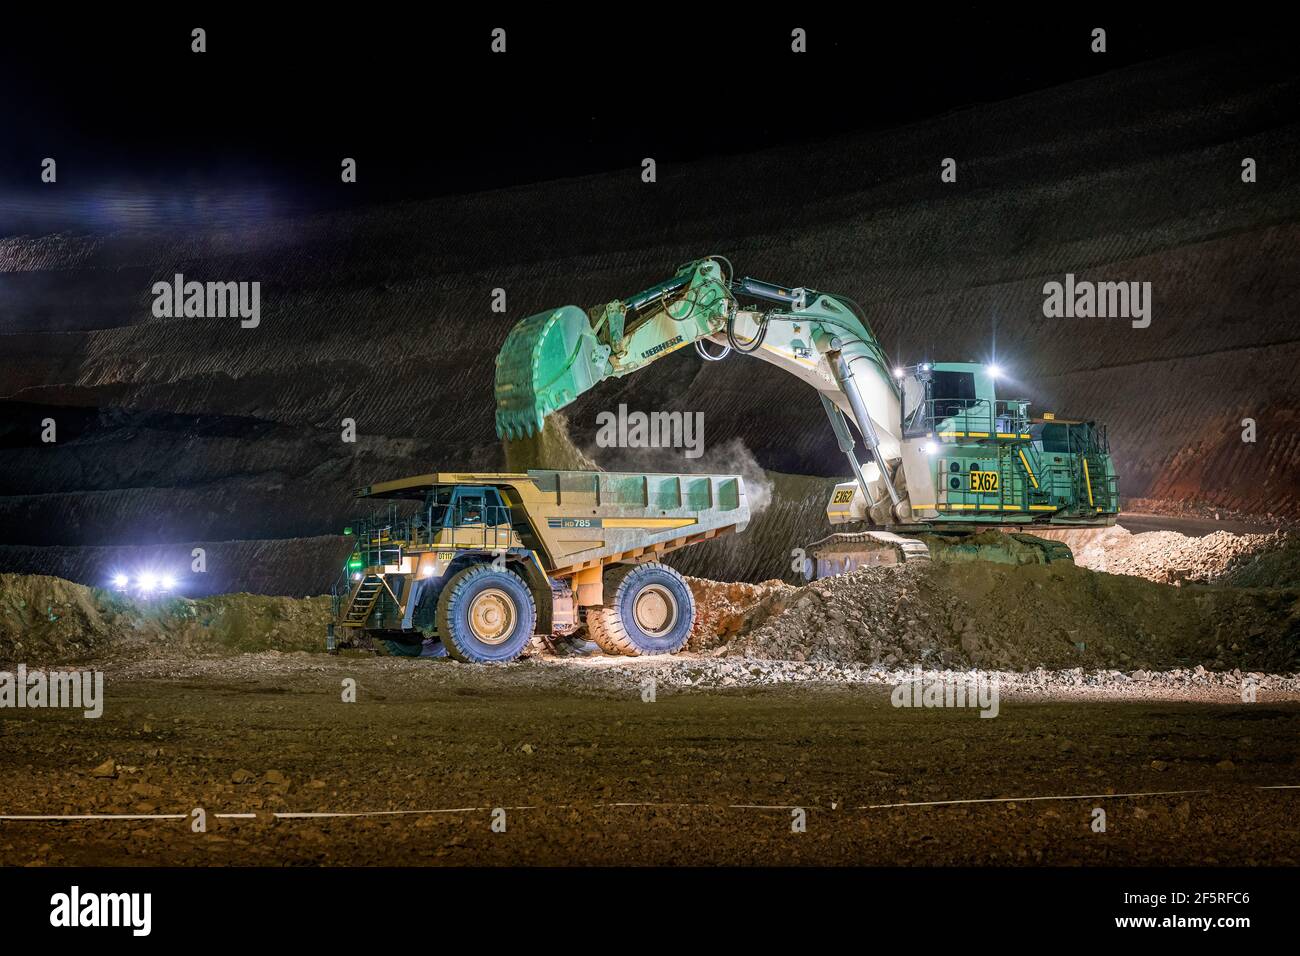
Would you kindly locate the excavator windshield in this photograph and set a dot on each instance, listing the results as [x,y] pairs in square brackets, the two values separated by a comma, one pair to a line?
[953,392]
[915,420]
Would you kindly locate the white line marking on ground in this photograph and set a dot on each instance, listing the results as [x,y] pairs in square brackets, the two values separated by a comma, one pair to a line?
[1080,796]
[378,813]
[310,815]
[306,815]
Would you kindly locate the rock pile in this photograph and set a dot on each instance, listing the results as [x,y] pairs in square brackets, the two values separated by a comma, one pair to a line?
[1248,560]
[995,616]
[1276,565]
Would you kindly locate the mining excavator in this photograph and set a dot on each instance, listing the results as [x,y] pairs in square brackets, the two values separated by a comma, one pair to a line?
[946,458]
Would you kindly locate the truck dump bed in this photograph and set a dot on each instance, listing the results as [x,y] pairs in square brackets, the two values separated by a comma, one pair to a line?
[583,517]
[577,520]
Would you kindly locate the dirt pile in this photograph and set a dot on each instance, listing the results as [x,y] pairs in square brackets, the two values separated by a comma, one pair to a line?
[1274,566]
[47,620]
[241,623]
[1242,560]
[721,608]
[980,614]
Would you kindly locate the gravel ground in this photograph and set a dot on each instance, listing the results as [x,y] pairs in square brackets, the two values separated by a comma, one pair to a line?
[1113,693]
[599,674]
[588,772]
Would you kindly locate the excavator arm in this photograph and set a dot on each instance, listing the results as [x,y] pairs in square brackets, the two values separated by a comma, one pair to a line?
[551,358]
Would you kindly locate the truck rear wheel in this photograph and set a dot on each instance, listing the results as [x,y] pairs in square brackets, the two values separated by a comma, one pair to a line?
[485,615]
[650,610]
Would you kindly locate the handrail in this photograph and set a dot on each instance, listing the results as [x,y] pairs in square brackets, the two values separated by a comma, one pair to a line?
[971,414]
[381,539]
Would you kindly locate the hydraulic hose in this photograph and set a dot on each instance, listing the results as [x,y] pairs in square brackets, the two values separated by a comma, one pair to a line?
[704,353]
[753,344]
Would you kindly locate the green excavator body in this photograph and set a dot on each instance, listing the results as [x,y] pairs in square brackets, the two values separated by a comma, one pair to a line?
[946,453]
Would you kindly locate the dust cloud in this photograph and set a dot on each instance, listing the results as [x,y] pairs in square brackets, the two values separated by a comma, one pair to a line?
[550,448]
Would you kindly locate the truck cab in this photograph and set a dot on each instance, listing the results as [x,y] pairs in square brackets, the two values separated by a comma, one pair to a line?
[468,515]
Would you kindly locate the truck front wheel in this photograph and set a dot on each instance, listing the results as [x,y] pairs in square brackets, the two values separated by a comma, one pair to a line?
[485,615]
[650,610]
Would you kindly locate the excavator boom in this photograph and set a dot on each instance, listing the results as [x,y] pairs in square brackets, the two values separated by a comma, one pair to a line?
[549,359]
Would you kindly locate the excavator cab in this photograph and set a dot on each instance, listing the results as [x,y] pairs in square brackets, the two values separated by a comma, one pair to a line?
[956,399]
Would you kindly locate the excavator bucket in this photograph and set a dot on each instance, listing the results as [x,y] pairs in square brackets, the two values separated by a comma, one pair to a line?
[547,361]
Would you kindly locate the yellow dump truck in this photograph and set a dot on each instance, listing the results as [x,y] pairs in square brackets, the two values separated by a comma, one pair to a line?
[474,565]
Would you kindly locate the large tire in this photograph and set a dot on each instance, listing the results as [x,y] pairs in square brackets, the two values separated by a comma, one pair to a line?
[485,615]
[416,648]
[649,609]
[400,648]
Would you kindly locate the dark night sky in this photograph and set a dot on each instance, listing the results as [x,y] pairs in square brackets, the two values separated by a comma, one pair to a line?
[426,109]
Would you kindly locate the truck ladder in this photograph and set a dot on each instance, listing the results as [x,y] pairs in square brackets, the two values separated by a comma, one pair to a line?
[362,601]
